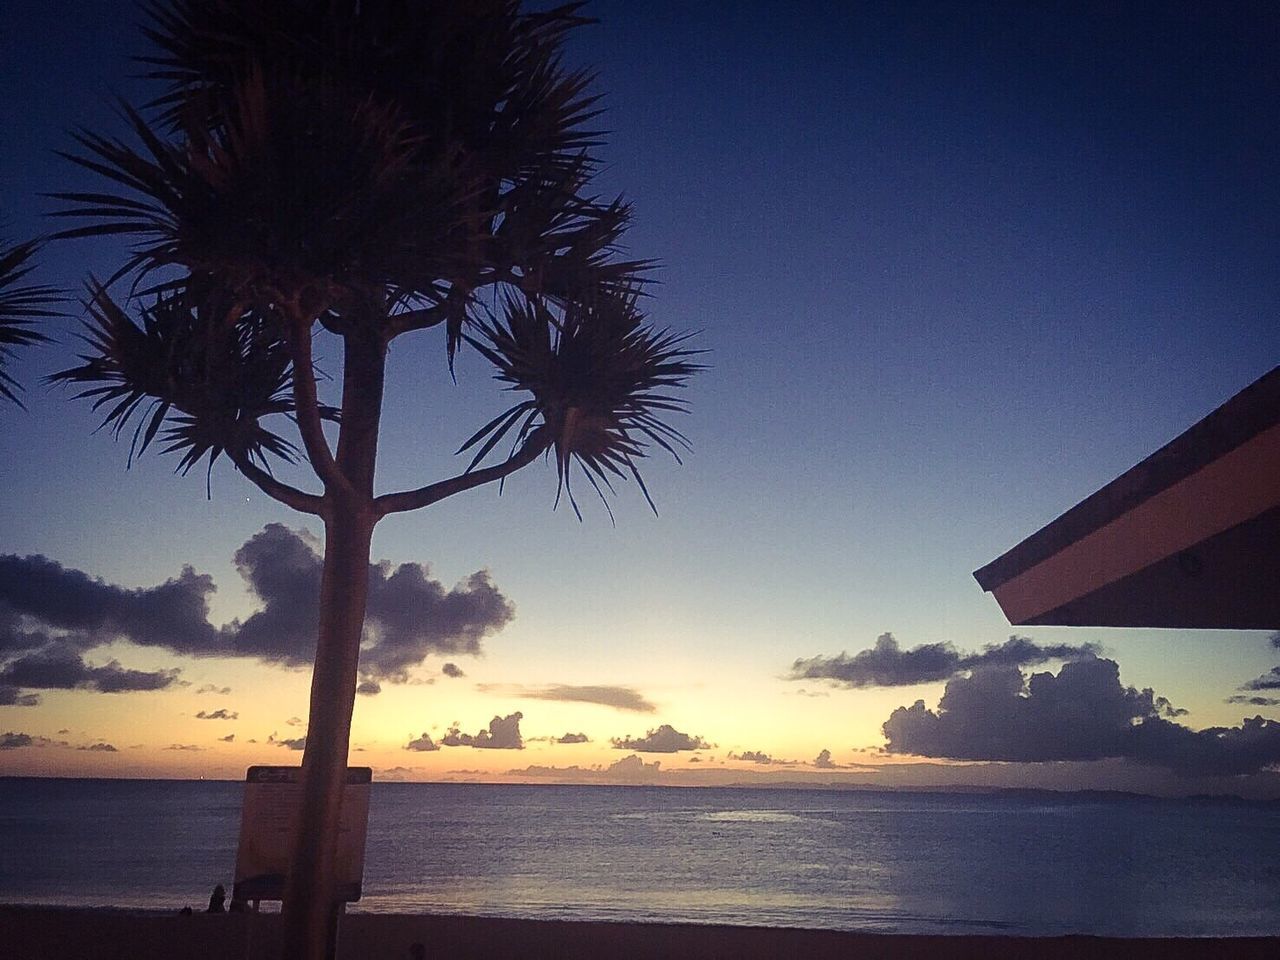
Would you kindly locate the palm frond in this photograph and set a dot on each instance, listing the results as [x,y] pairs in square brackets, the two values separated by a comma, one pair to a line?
[478,77]
[600,379]
[22,305]
[199,375]
[482,92]
[302,193]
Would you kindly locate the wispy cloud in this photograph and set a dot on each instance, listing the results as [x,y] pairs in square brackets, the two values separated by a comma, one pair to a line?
[618,697]
[217,715]
[888,665]
[762,758]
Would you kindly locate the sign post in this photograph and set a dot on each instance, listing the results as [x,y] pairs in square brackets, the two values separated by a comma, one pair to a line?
[268,822]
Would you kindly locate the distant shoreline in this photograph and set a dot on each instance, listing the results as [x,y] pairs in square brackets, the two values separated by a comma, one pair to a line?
[36,933]
[1030,793]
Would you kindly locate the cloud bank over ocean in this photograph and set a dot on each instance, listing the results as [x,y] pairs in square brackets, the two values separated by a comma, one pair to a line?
[53,617]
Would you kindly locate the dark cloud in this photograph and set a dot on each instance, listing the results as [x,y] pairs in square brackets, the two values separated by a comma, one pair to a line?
[282,569]
[452,670]
[409,616]
[218,715]
[368,688]
[15,741]
[1268,681]
[1254,701]
[422,744]
[294,743]
[1082,713]
[49,614]
[665,739]
[294,722]
[572,738]
[13,697]
[61,668]
[823,761]
[100,748]
[503,734]
[173,615]
[885,665]
[1022,652]
[413,616]
[229,738]
[888,665]
[112,678]
[17,634]
[620,698]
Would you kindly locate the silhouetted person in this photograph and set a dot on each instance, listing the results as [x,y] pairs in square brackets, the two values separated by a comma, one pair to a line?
[217,899]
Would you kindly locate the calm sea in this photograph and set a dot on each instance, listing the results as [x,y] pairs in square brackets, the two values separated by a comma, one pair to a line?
[887,862]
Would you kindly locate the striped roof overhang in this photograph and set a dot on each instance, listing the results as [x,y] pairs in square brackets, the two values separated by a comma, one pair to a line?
[1189,538]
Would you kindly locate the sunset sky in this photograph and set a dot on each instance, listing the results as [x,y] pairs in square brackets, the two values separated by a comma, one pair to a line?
[955,268]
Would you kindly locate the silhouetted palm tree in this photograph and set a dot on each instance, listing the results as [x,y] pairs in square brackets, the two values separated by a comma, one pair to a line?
[21,306]
[375,167]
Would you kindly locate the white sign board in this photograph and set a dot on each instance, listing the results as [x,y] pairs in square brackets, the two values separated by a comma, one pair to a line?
[268,822]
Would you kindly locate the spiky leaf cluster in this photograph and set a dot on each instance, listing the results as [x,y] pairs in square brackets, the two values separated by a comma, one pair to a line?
[599,380]
[301,194]
[480,79]
[201,376]
[21,306]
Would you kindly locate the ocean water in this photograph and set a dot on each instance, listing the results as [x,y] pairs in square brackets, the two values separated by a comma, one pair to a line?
[873,861]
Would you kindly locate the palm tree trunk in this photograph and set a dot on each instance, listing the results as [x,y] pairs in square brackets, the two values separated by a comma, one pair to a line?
[309,896]
[309,901]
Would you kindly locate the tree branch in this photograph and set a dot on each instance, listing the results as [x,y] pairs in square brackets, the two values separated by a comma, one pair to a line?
[307,411]
[423,318]
[419,319]
[537,443]
[276,489]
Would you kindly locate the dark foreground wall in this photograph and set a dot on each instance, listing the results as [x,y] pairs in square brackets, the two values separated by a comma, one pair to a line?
[51,933]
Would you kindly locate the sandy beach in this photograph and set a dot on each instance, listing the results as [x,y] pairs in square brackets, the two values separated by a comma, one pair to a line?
[59,933]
